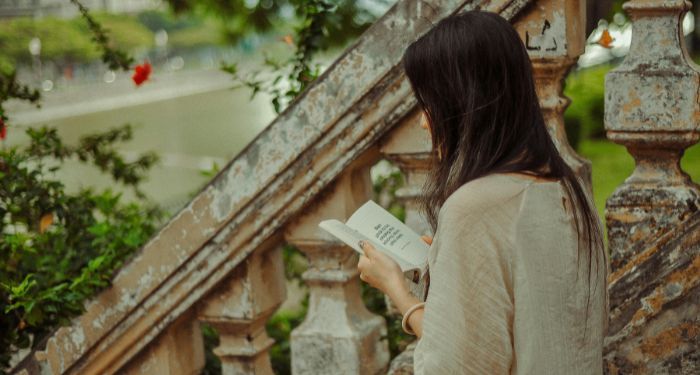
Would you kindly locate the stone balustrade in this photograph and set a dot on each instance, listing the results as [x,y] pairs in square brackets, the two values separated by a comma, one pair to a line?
[338,332]
[184,273]
[240,308]
[652,108]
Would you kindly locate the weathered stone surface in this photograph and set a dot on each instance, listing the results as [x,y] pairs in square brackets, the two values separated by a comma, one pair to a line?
[239,309]
[655,307]
[178,350]
[338,332]
[409,147]
[651,107]
[554,34]
[403,363]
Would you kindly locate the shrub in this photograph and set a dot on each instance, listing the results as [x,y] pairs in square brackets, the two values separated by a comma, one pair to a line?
[57,248]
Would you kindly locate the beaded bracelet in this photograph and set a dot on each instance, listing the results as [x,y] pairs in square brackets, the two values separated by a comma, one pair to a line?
[404,321]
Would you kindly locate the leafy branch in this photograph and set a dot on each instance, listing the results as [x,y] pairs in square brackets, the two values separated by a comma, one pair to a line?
[296,73]
[114,58]
[98,150]
[10,88]
[58,248]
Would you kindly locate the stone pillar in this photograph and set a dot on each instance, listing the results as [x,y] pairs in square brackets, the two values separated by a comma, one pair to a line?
[651,107]
[339,335]
[409,147]
[554,35]
[239,309]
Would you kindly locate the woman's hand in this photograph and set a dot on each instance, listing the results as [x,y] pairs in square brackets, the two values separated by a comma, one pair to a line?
[380,271]
[383,273]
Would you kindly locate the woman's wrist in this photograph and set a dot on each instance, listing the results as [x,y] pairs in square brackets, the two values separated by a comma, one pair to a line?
[402,297]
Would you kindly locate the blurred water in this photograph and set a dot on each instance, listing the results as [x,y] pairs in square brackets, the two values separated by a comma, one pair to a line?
[191,119]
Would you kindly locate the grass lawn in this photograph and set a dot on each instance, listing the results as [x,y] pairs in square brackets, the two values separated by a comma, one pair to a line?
[612,164]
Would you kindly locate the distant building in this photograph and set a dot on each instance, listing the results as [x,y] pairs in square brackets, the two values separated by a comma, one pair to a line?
[65,9]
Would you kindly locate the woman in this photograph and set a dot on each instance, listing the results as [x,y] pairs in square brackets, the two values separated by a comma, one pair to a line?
[517,267]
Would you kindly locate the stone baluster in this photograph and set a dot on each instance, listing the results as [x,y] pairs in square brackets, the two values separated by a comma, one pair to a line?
[339,335]
[651,107]
[554,36]
[241,306]
[409,147]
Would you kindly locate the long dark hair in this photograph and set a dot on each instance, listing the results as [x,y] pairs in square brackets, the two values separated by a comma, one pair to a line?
[473,79]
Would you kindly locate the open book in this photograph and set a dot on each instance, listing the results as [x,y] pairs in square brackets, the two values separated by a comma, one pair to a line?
[388,234]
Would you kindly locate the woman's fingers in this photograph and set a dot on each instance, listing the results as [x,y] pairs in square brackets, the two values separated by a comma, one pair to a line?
[427,239]
[363,266]
[368,248]
[362,263]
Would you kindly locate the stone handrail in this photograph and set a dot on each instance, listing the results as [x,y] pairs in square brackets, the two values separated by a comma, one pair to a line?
[206,254]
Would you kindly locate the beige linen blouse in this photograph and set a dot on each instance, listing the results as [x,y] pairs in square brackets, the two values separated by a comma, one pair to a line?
[507,291]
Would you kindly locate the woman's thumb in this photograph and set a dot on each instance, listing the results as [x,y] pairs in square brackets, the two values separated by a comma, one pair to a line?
[367,247]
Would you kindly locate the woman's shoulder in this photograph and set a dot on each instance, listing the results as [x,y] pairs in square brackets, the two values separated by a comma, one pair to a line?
[488,191]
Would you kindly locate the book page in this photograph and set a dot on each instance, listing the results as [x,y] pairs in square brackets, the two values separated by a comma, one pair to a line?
[351,237]
[386,231]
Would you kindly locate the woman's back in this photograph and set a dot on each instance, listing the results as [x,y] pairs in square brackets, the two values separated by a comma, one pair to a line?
[508,290]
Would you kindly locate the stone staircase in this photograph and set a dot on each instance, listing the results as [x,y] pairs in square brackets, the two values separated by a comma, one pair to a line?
[219,259]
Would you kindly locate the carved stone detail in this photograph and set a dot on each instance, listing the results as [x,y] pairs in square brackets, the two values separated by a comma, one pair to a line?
[338,334]
[409,147]
[239,309]
[651,107]
[554,35]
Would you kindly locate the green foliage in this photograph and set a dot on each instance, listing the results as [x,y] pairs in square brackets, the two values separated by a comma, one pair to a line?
[56,248]
[296,73]
[323,23]
[206,34]
[69,41]
[157,20]
[279,328]
[584,116]
[236,17]
[212,363]
[10,88]
[114,58]
[184,30]
[239,18]
[61,40]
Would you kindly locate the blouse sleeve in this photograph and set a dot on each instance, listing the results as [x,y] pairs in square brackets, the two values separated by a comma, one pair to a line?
[467,323]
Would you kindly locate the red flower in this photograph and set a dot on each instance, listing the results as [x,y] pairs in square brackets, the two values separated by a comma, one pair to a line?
[3,129]
[141,73]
